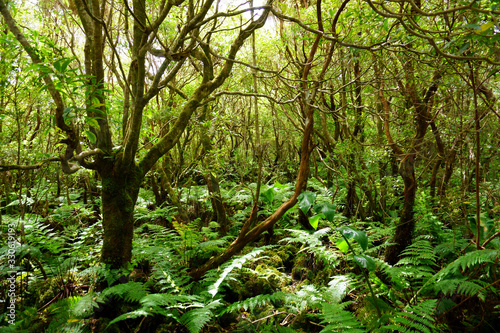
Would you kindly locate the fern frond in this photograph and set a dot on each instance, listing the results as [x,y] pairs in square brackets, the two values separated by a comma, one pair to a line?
[338,319]
[165,300]
[130,292]
[305,237]
[420,253]
[195,319]
[415,318]
[234,264]
[62,317]
[337,289]
[251,303]
[394,274]
[84,307]
[130,315]
[313,243]
[470,260]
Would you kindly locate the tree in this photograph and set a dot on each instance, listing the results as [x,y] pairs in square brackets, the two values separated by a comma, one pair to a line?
[119,166]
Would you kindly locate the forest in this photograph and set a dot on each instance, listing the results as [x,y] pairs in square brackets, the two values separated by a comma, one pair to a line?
[249,166]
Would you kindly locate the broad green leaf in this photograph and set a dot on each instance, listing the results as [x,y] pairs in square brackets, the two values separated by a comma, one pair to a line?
[486,26]
[92,122]
[342,245]
[328,209]
[306,199]
[358,236]
[64,64]
[473,26]
[269,195]
[313,221]
[91,136]
[279,185]
[365,262]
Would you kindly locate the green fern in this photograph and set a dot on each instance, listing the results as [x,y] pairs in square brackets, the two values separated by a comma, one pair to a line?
[172,306]
[196,319]
[459,286]
[85,305]
[314,244]
[62,317]
[338,319]
[312,239]
[415,318]
[234,264]
[161,304]
[470,260]
[420,253]
[130,292]
[130,315]
[249,304]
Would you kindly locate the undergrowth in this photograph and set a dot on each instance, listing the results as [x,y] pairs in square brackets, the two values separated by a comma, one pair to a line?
[331,279]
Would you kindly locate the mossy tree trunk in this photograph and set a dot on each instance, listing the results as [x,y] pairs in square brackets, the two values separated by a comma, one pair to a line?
[119,195]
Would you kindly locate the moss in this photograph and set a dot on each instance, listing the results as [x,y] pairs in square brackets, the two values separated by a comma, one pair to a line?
[283,256]
[323,276]
[302,269]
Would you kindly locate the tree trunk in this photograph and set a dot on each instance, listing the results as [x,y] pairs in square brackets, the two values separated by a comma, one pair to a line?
[404,230]
[119,195]
[217,203]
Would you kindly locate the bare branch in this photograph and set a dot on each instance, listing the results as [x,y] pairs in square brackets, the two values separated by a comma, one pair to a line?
[29,167]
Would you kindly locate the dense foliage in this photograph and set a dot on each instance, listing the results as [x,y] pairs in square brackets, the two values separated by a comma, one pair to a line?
[288,166]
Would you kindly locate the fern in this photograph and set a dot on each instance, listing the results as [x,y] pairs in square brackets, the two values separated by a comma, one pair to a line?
[415,318]
[63,320]
[459,286]
[234,264]
[337,289]
[130,315]
[131,292]
[419,253]
[470,260]
[312,239]
[338,319]
[314,244]
[195,319]
[249,304]
[171,306]
[85,305]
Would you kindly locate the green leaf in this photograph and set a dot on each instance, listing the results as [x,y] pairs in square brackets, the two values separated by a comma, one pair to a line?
[486,26]
[279,185]
[365,262]
[463,48]
[67,112]
[269,195]
[358,236]
[473,26]
[306,199]
[328,209]
[91,136]
[313,221]
[65,64]
[343,245]
[92,122]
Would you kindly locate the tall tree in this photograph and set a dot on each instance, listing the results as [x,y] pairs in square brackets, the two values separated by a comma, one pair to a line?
[120,167]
